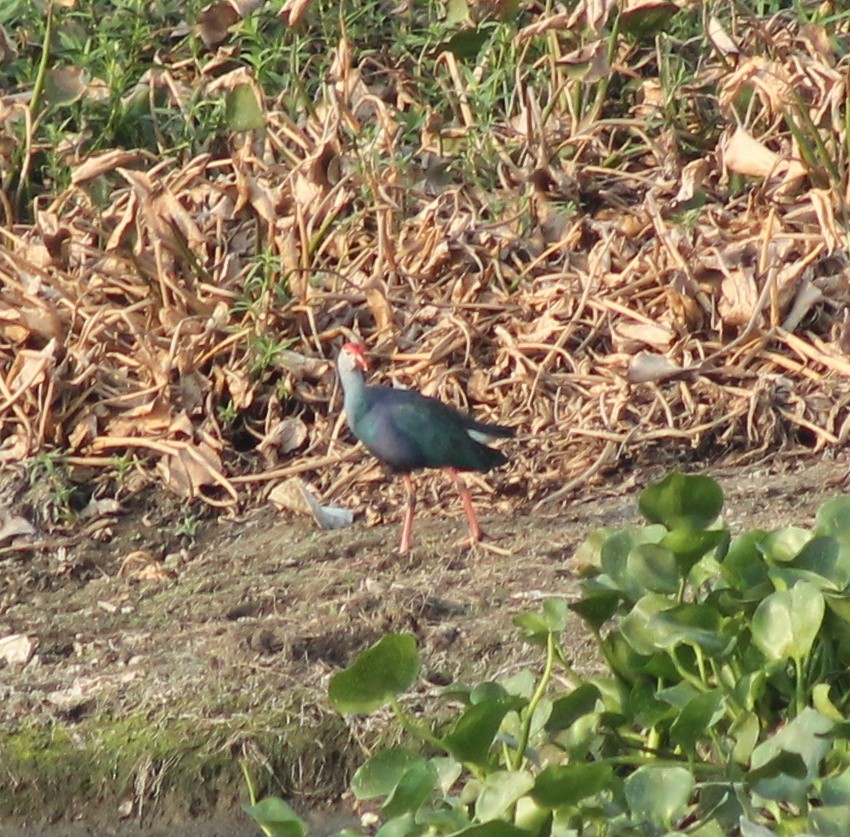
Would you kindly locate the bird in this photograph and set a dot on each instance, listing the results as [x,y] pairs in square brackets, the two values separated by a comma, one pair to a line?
[408,431]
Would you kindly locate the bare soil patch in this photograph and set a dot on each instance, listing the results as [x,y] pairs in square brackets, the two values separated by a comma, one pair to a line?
[142,696]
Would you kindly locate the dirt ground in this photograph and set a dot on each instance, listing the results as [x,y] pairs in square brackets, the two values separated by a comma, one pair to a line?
[149,684]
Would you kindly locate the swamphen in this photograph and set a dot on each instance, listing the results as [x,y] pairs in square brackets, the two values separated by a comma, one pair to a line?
[407,430]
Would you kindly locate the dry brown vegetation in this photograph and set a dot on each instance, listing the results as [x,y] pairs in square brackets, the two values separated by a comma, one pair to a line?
[620,261]
[620,227]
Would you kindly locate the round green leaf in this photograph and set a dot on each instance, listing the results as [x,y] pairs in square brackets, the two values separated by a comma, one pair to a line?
[821,701]
[829,820]
[534,627]
[488,690]
[589,554]
[785,765]
[835,790]
[381,773]
[457,11]
[786,576]
[566,710]
[648,707]
[621,657]
[745,732]
[441,820]
[821,555]
[520,685]
[635,625]
[698,625]
[786,624]
[448,772]
[784,545]
[379,673]
[782,777]
[242,109]
[598,602]
[615,556]
[472,736]
[752,829]
[538,626]
[561,785]
[277,818]
[532,817]
[413,790]
[682,501]
[465,44]
[403,826]
[555,613]
[659,794]
[495,828]
[839,604]
[655,568]
[690,546]
[744,567]
[749,688]
[833,518]
[583,738]
[698,716]
[500,791]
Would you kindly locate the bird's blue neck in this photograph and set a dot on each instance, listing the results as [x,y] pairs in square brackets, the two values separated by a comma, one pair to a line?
[354,388]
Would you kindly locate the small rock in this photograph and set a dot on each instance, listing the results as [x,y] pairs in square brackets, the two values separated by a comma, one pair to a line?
[17,649]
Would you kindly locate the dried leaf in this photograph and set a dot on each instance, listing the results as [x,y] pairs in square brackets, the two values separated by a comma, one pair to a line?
[13,526]
[191,466]
[240,387]
[646,17]
[744,154]
[99,164]
[380,309]
[739,296]
[83,432]
[652,334]
[551,23]
[721,40]
[808,295]
[645,367]
[215,21]
[105,507]
[150,418]
[8,51]
[294,11]
[286,436]
[589,63]
[294,495]
[64,85]
[30,368]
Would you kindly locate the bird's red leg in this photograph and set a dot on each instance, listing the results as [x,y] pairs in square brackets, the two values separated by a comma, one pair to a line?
[407,528]
[474,528]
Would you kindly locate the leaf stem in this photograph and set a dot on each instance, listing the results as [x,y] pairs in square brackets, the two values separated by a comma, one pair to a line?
[416,728]
[798,685]
[519,756]
[685,674]
[34,106]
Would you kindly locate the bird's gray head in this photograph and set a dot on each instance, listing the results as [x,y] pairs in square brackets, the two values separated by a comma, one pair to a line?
[352,356]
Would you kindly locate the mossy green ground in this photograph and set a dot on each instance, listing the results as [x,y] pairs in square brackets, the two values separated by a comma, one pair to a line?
[144,768]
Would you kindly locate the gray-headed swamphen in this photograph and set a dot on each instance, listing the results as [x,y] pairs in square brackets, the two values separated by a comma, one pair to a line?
[407,431]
